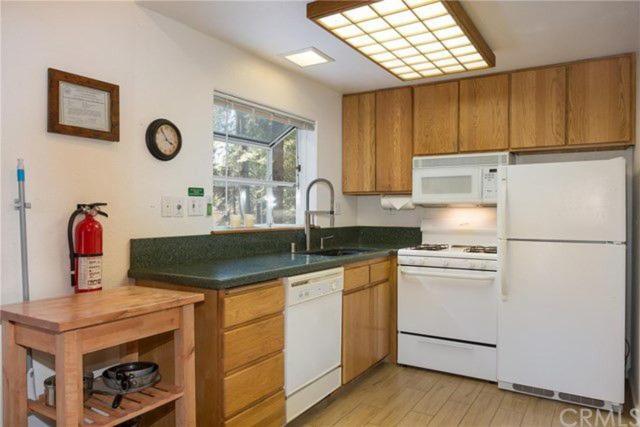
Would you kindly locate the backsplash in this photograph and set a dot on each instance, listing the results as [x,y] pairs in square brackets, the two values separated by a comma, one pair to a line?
[191,249]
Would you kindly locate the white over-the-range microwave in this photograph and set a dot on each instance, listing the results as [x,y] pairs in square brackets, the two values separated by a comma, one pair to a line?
[464,179]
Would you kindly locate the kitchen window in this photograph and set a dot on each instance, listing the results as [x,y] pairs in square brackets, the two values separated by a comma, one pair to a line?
[256,164]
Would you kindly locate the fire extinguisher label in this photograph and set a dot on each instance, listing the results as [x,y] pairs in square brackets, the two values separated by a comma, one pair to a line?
[89,272]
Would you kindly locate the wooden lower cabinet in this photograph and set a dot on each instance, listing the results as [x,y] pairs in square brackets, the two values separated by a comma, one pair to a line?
[357,340]
[366,312]
[268,413]
[239,336]
[380,312]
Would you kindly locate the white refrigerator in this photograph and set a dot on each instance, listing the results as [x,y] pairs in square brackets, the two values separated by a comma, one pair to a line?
[561,250]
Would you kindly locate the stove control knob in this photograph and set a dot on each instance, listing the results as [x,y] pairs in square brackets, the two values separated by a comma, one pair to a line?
[445,263]
[483,266]
[473,265]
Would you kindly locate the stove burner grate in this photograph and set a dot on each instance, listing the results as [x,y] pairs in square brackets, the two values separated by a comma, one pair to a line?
[431,247]
[482,249]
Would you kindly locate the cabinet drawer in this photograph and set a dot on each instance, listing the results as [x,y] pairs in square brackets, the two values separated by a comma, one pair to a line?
[251,342]
[242,305]
[356,277]
[268,413]
[251,384]
[380,272]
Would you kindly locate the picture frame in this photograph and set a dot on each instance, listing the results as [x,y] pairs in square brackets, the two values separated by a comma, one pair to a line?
[81,106]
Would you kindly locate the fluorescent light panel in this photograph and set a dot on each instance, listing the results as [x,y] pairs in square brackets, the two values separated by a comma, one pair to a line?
[307,57]
[412,39]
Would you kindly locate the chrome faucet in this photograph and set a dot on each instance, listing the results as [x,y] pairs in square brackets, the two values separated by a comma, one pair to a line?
[308,213]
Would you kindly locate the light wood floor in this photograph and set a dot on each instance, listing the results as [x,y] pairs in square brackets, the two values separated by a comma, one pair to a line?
[391,395]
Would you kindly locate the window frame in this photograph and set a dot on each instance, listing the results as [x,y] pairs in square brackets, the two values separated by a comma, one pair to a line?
[268,182]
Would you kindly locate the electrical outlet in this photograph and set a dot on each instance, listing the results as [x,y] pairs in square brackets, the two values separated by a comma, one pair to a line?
[166,206]
[178,207]
[196,206]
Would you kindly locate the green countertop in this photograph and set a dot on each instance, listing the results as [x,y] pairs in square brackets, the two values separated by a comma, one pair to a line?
[229,260]
[229,273]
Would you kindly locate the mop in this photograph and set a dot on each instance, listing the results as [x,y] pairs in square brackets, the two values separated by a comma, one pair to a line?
[22,205]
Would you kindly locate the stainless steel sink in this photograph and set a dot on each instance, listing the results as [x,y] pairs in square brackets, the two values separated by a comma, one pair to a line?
[337,251]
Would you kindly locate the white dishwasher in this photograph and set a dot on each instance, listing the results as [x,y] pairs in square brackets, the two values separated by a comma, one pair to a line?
[313,338]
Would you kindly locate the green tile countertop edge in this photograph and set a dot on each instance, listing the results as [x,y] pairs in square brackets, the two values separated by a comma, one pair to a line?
[224,274]
[226,261]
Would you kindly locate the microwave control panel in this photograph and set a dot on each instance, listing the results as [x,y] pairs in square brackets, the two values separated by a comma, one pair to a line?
[489,184]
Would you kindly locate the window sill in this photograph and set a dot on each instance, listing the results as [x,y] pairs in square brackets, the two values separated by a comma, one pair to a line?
[256,229]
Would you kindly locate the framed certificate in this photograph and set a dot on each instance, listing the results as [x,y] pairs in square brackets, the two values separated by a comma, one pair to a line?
[81,106]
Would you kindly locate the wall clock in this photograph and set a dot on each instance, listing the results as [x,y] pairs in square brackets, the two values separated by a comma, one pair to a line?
[163,139]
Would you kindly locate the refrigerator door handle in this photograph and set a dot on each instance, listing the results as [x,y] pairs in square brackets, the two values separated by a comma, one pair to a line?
[502,268]
[502,231]
[502,202]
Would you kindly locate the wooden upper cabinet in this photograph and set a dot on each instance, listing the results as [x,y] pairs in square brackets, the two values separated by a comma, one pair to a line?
[600,101]
[484,113]
[538,108]
[358,143]
[394,140]
[435,119]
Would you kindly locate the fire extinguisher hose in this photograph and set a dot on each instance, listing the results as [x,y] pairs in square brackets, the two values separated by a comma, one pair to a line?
[72,252]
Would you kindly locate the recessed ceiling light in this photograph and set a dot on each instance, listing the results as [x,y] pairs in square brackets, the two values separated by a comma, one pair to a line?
[409,38]
[307,57]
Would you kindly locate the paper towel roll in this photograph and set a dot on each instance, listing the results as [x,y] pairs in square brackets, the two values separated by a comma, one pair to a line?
[397,202]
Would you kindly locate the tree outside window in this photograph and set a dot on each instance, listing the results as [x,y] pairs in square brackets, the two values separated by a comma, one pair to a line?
[255,166]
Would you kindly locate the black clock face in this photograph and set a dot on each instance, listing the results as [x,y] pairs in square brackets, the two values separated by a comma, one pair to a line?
[163,139]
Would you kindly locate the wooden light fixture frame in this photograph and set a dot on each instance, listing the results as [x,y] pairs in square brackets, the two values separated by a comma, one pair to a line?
[322,8]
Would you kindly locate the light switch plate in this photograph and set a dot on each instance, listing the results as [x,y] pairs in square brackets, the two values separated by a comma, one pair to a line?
[196,206]
[166,206]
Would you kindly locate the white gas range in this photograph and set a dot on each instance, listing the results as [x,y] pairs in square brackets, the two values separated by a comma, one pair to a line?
[448,308]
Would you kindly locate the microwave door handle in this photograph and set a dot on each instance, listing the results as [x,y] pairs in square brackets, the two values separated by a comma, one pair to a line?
[477,277]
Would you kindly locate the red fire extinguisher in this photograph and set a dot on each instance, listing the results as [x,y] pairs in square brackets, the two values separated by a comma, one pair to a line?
[85,255]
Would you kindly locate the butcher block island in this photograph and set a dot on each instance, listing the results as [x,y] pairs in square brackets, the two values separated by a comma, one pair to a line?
[71,326]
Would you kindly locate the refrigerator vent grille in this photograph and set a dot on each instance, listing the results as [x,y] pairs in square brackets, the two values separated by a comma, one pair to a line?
[486,160]
[534,390]
[581,399]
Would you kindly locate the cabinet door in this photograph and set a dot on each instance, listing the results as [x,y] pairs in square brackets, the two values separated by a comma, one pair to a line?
[358,143]
[435,119]
[394,136]
[381,310]
[484,113]
[356,334]
[538,100]
[599,101]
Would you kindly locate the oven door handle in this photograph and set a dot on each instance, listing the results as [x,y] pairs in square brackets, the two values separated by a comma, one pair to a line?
[420,272]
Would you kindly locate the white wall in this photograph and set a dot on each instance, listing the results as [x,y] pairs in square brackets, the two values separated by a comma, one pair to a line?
[164,69]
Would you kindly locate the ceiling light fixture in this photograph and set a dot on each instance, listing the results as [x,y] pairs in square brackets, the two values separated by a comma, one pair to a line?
[307,57]
[410,39]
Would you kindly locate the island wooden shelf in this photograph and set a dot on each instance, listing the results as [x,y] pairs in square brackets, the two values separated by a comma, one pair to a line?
[98,410]
[72,326]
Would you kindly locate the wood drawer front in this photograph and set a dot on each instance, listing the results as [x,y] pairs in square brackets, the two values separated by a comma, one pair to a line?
[251,342]
[380,272]
[239,307]
[268,413]
[249,385]
[356,277]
